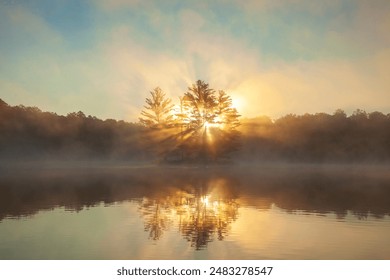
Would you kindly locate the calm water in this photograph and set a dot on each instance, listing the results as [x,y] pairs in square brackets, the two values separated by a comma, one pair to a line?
[265,212]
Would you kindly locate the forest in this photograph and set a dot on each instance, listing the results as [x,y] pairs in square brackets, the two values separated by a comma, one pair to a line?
[360,137]
[27,133]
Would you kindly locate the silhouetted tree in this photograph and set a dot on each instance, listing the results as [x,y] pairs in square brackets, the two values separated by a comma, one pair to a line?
[200,103]
[158,110]
[203,127]
[209,122]
[226,114]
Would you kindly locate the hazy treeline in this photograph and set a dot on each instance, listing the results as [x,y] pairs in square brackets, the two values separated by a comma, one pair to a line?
[27,132]
[318,137]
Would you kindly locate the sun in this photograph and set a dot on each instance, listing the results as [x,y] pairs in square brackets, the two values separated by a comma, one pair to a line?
[216,123]
[208,125]
[205,200]
[238,103]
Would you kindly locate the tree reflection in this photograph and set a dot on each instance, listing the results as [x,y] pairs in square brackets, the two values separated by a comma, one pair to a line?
[157,218]
[359,192]
[199,216]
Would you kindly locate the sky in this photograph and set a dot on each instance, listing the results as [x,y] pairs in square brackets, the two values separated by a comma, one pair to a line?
[272,57]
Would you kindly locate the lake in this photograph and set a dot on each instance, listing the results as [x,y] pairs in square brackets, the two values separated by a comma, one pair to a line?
[270,211]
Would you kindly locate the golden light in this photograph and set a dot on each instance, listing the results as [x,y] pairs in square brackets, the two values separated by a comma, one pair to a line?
[217,122]
[238,102]
[199,217]
[205,200]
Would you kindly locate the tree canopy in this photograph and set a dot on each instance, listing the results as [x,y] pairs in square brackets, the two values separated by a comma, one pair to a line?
[158,110]
[205,124]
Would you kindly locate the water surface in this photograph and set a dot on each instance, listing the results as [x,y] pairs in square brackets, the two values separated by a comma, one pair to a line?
[261,212]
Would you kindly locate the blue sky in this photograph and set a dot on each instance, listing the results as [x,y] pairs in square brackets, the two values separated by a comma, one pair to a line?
[273,57]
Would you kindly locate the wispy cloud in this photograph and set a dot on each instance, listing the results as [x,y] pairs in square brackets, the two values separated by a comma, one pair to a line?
[275,57]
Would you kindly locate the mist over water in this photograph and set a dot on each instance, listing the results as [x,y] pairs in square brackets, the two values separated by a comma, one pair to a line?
[280,211]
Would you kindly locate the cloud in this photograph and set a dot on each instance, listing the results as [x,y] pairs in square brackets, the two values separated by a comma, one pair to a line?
[318,86]
[30,28]
[113,5]
[135,70]
[372,20]
[315,7]
[333,67]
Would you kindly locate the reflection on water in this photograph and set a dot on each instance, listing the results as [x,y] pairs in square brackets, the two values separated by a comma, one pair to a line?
[277,212]
[197,215]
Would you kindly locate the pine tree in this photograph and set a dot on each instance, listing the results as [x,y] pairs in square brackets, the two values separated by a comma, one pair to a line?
[158,113]
[226,115]
[203,129]
[200,104]
[210,131]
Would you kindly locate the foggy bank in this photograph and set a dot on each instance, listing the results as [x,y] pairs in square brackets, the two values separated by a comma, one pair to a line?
[28,134]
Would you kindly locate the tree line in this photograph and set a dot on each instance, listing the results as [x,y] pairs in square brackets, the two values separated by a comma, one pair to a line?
[202,133]
[318,137]
[27,132]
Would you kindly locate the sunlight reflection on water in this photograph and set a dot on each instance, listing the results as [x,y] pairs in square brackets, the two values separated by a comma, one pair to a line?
[214,215]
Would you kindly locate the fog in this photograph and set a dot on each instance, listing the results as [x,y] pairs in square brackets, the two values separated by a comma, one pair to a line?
[364,190]
[28,134]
